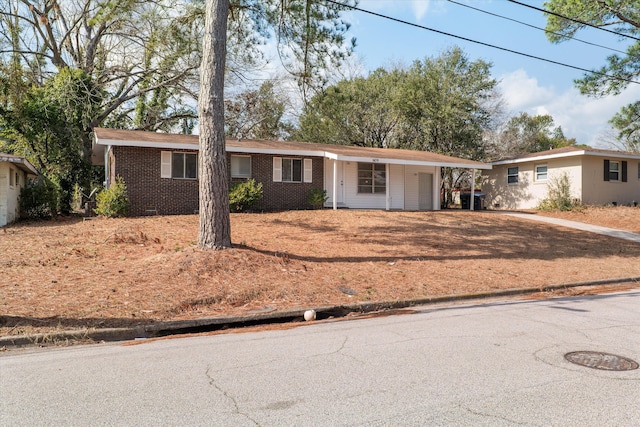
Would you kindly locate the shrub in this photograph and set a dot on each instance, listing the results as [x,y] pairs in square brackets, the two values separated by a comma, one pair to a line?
[559,195]
[113,201]
[39,199]
[244,195]
[317,198]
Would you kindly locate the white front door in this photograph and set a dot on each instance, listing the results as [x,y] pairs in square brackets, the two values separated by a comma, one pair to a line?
[328,181]
[425,191]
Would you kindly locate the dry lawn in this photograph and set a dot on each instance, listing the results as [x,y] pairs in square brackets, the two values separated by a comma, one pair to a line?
[72,274]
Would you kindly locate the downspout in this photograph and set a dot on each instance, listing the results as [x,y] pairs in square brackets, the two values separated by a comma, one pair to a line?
[436,189]
[107,167]
[473,189]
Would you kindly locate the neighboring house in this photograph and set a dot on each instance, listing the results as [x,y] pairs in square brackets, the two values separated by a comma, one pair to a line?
[160,172]
[597,177]
[14,174]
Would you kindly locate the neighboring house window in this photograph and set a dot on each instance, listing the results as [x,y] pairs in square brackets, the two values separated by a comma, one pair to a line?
[240,166]
[512,175]
[292,170]
[12,181]
[615,171]
[541,173]
[178,165]
[372,178]
[638,170]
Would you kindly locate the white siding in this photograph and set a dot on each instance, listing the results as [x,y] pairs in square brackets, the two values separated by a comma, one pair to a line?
[597,191]
[328,182]
[403,187]
[4,192]
[8,193]
[396,186]
[411,195]
[528,193]
[359,201]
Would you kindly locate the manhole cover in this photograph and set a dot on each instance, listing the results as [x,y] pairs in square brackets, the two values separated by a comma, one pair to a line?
[599,360]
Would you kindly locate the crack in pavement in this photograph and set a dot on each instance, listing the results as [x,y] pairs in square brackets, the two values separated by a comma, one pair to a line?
[213,383]
[497,417]
[342,347]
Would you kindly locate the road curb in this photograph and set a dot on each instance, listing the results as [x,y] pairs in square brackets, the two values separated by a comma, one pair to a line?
[177,327]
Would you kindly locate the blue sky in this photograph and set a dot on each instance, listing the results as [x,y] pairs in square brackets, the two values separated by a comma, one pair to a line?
[529,85]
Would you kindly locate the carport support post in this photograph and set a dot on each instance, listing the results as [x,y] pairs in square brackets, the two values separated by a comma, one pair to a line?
[335,184]
[473,189]
[387,184]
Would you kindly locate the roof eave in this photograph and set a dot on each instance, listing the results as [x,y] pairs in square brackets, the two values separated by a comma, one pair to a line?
[291,152]
[21,163]
[537,158]
[611,154]
[392,161]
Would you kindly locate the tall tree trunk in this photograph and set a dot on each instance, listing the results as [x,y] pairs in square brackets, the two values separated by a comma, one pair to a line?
[215,227]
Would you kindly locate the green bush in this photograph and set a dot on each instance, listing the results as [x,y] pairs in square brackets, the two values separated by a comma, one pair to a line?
[39,199]
[559,195]
[113,202]
[244,195]
[317,198]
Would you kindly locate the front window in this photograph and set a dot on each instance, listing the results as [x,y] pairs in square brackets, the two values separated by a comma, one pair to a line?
[372,178]
[292,170]
[614,171]
[541,173]
[512,175]
[240,166]
[184,165]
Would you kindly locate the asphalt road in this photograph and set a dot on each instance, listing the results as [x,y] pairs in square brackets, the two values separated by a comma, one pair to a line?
[495,364]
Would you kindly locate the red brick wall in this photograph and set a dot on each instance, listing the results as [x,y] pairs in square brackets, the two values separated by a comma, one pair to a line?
[140,168]
[282,195]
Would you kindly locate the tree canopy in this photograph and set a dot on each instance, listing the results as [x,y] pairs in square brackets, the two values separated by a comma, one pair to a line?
[627,123]
[141,59]
[257,113]
[623,17]
[359,111]
[443,104]
[309,35]
[524,133]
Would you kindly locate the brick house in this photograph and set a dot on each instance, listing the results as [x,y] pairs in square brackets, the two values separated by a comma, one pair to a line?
[160,171]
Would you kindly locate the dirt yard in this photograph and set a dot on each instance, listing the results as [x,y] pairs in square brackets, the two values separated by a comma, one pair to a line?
[72,274]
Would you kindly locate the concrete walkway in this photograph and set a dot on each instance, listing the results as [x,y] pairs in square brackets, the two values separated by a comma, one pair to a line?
[606,231]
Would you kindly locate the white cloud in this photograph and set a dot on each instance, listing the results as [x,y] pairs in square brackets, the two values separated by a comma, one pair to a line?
[522,92]
[419,8]
[581,117]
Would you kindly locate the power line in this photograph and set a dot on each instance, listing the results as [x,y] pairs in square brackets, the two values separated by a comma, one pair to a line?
[533,26]
[390,18]
[573,20]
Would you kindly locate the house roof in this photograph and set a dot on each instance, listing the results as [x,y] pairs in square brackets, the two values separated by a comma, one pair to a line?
[20,162]
[114,137]
[567,152]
